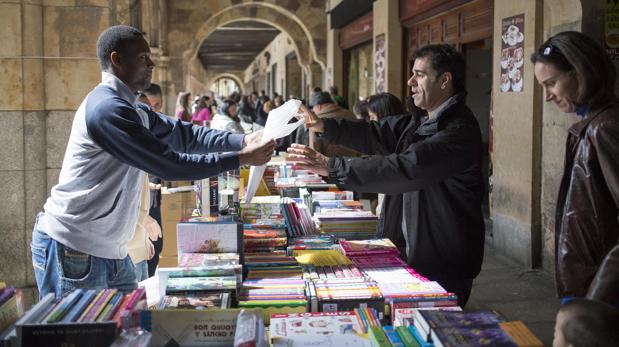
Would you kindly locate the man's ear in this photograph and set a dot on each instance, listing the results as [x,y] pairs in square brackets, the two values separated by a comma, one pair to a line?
[115,59]
[446,77]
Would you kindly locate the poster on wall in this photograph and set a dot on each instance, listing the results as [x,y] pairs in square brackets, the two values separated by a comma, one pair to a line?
[611,29]
[379,61]
[512,53]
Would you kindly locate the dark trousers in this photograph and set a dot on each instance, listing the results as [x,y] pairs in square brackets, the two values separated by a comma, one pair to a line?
[459,286]
[155,212]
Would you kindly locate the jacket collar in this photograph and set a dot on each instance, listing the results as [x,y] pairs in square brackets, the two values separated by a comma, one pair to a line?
[119,87]
[578,128]
[430,125]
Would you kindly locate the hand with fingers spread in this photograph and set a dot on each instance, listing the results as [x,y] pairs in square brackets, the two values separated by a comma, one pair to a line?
[308,159]
[256,153]
[311,120]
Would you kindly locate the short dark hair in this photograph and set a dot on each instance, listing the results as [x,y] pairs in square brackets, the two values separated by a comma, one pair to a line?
[590,323]
[224,106]
[577,53]
[360,109]
[385,104]
[320,98]
[333,90]
[444,58]
[154,89]
[115,39]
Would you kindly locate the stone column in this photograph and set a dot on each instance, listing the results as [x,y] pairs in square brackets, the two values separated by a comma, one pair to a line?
[386,21]
[335,63]
[517,145]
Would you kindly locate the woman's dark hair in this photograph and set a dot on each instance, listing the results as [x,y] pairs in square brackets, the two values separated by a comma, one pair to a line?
[444,58]
[385,104]
[224,108]
[577,53]
[590,323]
[360,109]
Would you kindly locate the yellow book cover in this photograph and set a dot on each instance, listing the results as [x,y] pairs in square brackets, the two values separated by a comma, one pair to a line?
[321,257]
[519,332]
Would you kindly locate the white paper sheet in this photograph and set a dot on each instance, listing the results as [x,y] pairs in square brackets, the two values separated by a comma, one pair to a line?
[276,126]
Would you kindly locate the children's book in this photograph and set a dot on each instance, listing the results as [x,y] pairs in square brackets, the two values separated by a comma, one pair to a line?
[317,329]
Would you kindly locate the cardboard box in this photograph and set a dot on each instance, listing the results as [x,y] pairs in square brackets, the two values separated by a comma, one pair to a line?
[168,261]
[168,230]
[174,206]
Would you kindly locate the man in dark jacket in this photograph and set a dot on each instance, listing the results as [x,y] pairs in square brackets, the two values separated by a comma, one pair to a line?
[436,165]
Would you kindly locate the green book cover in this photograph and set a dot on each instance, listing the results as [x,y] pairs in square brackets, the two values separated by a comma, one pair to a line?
[378,337]
[407,337]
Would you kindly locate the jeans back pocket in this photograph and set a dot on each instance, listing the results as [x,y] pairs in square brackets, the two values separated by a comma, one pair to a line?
[75,265]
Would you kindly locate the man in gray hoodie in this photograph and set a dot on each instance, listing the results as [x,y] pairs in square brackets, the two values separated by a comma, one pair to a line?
[80,240]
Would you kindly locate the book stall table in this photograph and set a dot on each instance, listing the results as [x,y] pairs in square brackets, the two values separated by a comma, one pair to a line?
[299,268]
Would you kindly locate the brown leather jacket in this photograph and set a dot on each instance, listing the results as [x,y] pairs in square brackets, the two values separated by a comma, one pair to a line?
[587,207]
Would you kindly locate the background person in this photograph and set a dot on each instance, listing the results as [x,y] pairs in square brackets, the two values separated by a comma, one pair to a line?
[437,165]
[578,76]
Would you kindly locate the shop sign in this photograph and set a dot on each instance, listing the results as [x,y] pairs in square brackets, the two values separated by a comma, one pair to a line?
[611,29]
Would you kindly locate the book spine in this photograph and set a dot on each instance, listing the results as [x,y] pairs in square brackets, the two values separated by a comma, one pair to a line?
[110,308]
[99,305]
[63,307]
[406,337]
[378,337]
[78,309]
[90,307]
[393,337]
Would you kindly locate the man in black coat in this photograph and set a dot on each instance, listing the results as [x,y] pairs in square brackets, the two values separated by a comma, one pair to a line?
[434,161]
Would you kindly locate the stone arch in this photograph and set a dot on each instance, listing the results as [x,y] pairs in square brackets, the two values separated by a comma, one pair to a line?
[312,64]
[233,77]
[561,15]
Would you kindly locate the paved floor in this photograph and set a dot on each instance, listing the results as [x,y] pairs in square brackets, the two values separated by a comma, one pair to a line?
[516,293]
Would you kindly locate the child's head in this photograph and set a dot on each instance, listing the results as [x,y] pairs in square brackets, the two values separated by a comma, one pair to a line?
[583,322]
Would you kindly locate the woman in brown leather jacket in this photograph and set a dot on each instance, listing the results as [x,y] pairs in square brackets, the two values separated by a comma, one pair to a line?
[579,77]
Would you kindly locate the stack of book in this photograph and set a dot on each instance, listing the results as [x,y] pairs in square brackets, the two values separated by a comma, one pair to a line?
[298,218]
[312,242]
[202,286]
[258,240]
[82,317]
[312,272]
[11,306]
[345,294]
[347,224]
[274,296]
[449,328]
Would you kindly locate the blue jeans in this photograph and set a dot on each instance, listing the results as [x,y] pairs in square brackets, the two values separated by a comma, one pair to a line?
[141,271]
[59,269]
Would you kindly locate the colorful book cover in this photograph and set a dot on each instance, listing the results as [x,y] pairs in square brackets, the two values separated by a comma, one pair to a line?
[92,305]
[197,302]
[223,237]
[99,305]
[519,332]
[317,329]
[471,337]
[110,308]
[201,271]
[197,284]
[444,319]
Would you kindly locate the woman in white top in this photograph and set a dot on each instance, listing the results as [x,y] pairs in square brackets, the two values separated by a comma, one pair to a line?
[226,118]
